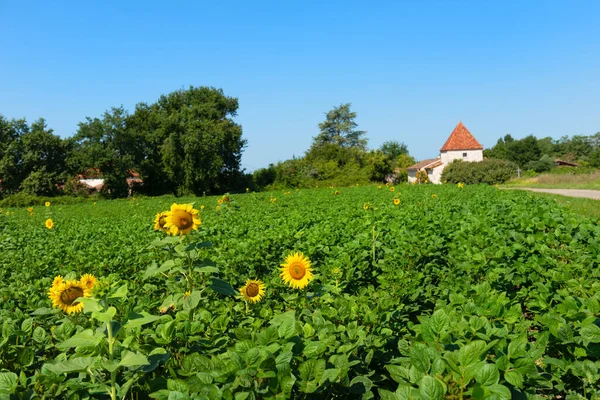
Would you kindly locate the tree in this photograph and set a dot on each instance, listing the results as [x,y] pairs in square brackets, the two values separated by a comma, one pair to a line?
[339,128]
[522,151]
[109,146]
[394,149]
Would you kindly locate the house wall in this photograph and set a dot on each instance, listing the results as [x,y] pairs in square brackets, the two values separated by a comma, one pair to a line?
[472,155]
[435,174]
[412,176]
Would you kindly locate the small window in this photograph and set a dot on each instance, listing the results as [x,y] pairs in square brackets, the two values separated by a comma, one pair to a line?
[464,154]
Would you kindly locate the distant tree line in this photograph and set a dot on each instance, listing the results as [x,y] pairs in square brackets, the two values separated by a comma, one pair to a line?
[185,143]
[339,156]
[531,153]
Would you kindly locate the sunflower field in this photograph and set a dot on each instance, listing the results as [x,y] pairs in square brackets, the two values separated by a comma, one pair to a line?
[412,292]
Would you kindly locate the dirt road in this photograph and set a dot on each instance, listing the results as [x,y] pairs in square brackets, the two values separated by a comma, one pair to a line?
[588,194]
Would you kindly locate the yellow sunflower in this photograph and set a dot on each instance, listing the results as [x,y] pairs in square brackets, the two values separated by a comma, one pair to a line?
[58,280]
[220,201]
[460,185]
[387,184]
[49,223]
[64,294]
[88,281]
[253,291]
[433,196]
[296,271]
[160,221]
[396,201]
[392,189]
[30,209]
[218,208]
[47,204]
[226,199]
[182,219]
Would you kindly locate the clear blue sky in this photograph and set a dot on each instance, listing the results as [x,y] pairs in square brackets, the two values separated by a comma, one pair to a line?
[411,69]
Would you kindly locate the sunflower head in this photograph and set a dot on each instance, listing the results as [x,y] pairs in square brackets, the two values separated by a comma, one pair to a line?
[30,209]
[181,219]
[396,201]
[433,196]
[226,199]
[387,184]
[88,280]
[253,291]
[49,223]
[460,185]
[65,294]
[47,204]
[296,271]
[160,221]
[218,208]
[392,189]
[220,201]
[367,206]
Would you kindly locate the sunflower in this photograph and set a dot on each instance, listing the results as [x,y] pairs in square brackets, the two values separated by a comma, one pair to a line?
[367,206]
[396,201]
[460,185]
[182,219]
[253,291]
[30,209]
[64,294]
[49,223]
[88,280]
[296,271]
[387,184]
[160,221]
[220,201]
[218,208]
[392,189]
[58,280]
[226,199]
[47,204]
[433,196]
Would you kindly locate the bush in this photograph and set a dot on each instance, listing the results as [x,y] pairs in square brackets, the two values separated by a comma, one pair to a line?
[544,164]
[491,171]
[23,199]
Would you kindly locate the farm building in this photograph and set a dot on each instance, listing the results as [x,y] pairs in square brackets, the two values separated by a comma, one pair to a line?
[461,145]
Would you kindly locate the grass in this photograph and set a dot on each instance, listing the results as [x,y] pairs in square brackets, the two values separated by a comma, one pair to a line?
[559,181]
[586,207]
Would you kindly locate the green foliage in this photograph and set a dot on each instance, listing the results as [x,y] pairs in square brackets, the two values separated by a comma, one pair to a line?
[340,130]
[472,293]
[544,164]
[394,149]
[488,171]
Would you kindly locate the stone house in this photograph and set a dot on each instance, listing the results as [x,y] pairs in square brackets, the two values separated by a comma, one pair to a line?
[461,145]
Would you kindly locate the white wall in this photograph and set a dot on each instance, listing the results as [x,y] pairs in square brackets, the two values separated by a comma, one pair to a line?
[435,174]
[412,176]
[472,155]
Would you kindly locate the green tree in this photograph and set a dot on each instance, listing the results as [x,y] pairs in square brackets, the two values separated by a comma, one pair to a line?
[339,128]
[394,149]
[523,151]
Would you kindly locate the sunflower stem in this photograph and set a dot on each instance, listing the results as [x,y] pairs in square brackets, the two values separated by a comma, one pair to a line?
[113,374]
[247,307]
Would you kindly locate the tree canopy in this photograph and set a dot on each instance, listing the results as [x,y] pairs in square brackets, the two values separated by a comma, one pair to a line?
[339,128]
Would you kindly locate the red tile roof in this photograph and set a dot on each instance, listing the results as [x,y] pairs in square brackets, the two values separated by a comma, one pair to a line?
[461,139]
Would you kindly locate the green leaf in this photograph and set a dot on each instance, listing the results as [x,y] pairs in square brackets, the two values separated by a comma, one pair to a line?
[515,378]
[8,382]
[135,320]
[131,359]
[72,365]
[431,389]
[90,304]
[105,316]
[83,338]
[501,391]
[287,329]
[222,287]
[488,375]
[39,334]
[330,374]
[439,321]
[591,333]
[419,358]
[206,270]
[119,293]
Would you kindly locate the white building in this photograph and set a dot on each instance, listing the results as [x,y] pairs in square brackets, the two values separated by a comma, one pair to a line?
[461,145]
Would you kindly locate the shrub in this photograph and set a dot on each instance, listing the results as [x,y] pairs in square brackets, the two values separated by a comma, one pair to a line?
[544,164]
[489,171]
